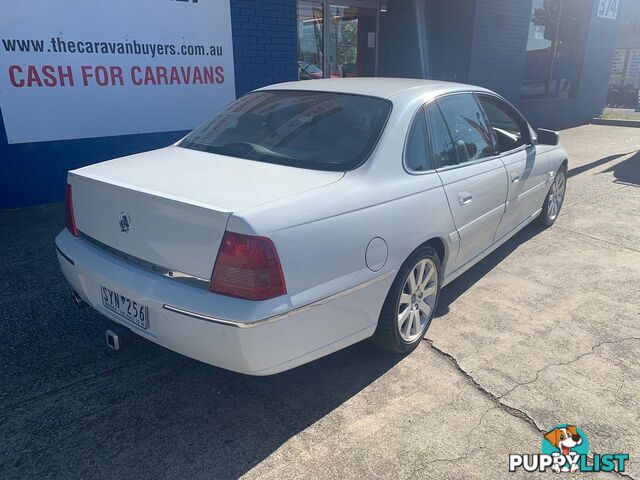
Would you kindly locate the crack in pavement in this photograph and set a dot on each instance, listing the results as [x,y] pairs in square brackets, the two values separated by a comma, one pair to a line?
[598,239]
[561,364]
[461,457]
[496,400]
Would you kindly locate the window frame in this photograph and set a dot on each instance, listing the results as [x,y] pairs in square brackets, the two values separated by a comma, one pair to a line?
[529,140]
[427,136]
[552,58]
[435,164]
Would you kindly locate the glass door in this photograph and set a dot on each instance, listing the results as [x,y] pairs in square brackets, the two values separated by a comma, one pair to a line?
[310,40]
[352,40]
[343,45]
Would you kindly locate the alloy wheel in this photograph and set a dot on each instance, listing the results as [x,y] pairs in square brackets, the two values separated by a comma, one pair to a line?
[417,300]
[556,195]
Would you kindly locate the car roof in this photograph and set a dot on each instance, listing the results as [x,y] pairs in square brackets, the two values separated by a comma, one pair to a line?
[375,86]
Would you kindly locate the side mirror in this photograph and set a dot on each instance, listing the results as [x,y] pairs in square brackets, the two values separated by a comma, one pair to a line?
[548,137]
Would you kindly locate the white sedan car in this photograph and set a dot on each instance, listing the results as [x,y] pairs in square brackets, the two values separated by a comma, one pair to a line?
[306,217]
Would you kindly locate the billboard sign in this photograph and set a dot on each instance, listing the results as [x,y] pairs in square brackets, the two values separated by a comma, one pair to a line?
[76,69]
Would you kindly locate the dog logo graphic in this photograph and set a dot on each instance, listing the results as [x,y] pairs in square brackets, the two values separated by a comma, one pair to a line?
[565,448]
[566,441]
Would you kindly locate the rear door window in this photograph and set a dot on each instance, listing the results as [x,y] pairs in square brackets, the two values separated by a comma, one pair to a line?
[316,130]
[417,155]
[444,154]
[471,136]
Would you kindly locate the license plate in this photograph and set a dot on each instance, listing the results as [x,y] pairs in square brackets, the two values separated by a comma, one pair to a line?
[125,307]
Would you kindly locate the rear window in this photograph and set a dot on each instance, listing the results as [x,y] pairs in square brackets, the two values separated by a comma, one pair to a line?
[315,130]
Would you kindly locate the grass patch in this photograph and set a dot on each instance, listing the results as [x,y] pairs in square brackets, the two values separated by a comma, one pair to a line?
[620,114]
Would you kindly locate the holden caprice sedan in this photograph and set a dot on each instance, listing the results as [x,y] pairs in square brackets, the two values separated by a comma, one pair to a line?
[306,217]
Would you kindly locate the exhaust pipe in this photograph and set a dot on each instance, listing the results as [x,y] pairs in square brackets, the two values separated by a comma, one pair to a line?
[77,298]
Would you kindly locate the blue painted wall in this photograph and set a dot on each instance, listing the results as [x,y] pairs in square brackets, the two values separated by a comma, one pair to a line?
[498,58]
[265,52]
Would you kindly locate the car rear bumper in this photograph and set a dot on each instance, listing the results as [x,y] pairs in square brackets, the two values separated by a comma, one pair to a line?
[219,330]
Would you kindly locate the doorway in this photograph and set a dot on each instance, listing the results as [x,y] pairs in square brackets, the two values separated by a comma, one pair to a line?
[337,40]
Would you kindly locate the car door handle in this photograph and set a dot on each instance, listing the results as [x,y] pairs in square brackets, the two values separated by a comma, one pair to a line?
[515,178]
[464,198]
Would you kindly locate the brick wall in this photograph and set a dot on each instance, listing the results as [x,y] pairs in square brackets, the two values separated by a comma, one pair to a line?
[498,45]
[264,42]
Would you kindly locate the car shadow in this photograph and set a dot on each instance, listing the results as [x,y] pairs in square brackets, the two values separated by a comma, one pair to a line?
[588,166]
[627,172]
[218,424]
[464,282]
[72,408]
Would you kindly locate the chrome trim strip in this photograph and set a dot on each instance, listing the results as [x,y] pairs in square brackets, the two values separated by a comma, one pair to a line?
[148,266]
[280,316]
[64,256]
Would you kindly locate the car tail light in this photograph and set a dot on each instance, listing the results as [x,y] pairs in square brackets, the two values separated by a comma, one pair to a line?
[247,267]
[68,207]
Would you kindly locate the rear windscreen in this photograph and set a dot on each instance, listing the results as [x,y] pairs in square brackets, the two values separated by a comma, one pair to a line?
[316,130]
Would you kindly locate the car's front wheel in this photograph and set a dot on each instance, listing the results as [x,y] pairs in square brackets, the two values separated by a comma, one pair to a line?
[410,304]
[555,198]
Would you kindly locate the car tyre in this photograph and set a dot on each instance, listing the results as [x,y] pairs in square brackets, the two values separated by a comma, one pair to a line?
[408,310]
[554,199]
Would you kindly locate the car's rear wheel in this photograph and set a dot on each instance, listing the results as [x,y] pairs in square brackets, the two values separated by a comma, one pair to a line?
[410,304]
[555,197]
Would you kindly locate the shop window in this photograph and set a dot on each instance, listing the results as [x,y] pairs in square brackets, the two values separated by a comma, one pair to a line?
[337,40]
[310,40]
[555,47]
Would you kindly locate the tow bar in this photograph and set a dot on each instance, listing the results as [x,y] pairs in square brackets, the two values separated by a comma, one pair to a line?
[113,340]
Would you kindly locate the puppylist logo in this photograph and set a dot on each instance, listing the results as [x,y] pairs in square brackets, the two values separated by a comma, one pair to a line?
[565,448]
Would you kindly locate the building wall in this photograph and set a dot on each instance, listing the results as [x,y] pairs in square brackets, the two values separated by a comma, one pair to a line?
[498,56]
[265,42]
[426,39]
[265,52]
[499,45]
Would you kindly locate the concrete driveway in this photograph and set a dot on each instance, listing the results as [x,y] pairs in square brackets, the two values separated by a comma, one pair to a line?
[546,330]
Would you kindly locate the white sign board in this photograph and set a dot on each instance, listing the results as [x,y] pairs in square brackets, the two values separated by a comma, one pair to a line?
[81,69]
[608,9]
[617,66]
[633,68]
